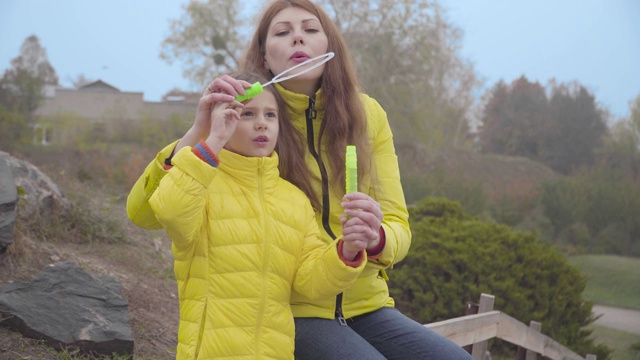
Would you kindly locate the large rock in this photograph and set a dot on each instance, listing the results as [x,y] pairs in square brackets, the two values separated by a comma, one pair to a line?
[68,307]
[8,198]
[39,195]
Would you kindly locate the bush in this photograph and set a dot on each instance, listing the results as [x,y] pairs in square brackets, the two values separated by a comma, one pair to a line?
[455,257]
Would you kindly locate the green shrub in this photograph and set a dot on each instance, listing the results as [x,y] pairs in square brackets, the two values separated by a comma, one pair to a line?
[455,257]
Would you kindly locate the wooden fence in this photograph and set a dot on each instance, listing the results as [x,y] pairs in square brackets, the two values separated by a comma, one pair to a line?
[473,332]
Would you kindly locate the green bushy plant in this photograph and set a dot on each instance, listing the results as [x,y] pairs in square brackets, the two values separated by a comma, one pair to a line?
[455,257]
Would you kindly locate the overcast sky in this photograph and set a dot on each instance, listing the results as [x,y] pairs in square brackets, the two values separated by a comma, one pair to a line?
[594,42]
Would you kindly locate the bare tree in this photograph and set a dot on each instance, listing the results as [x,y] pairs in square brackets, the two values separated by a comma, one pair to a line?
[408,58]
[206,39]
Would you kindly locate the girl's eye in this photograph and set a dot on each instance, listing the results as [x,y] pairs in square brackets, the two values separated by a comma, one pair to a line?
[282,33]
[271,114]
[247,113]
[312,30]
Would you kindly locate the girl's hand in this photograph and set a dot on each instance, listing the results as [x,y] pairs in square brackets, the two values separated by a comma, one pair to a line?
[366,215]
[223,89]
[224,120]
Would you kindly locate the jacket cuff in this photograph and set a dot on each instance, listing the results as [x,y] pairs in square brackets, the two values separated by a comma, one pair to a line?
[204,152]
[352,263]
[375,253]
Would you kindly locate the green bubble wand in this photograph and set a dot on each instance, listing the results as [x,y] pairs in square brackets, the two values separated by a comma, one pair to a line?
[257,88]
[351,169]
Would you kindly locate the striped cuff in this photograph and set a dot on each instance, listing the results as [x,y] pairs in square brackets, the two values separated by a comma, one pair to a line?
[204,152]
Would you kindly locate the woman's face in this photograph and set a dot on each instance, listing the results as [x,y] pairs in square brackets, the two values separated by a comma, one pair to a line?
[294,36]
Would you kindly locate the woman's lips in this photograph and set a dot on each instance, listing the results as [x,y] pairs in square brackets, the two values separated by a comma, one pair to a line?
[299,57]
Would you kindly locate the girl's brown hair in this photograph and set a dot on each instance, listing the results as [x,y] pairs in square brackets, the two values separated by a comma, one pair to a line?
[345,121]
[290,144]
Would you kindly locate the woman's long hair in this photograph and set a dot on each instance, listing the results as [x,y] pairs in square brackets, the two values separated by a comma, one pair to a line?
[345,121]
[290,144]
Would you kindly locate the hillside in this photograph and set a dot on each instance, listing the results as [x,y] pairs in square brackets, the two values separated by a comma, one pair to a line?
[139,259]
[496,173]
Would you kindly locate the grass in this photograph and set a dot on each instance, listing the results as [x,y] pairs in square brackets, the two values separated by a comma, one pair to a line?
[621,342]
[611,280]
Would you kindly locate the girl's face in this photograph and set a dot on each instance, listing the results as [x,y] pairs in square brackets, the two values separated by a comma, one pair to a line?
[257,130]
[294,36]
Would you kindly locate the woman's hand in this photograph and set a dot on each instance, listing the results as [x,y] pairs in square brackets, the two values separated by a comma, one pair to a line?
[353,240]
[362,218]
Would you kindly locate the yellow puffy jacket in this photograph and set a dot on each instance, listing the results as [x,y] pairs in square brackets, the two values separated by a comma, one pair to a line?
[370,292]
[242,238]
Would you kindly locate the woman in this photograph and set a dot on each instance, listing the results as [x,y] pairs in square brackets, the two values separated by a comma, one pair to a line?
[326,107]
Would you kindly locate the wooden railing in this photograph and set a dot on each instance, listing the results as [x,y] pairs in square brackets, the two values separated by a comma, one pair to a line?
[474,331]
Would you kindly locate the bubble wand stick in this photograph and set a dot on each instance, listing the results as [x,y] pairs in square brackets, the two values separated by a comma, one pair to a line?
[257,88]
[351,169]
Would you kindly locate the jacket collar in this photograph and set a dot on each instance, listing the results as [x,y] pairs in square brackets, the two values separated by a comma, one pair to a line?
[297,103]
[248,171]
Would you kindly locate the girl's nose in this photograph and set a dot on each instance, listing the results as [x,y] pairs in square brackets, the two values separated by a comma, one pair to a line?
[261,123]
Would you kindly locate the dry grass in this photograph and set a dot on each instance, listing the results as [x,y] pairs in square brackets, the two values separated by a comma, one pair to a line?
[140,260]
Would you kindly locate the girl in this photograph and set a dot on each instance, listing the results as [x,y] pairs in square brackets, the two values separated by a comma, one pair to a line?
[242,237]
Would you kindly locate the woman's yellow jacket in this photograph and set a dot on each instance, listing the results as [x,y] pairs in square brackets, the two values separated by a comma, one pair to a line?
[242,239]
[370,291]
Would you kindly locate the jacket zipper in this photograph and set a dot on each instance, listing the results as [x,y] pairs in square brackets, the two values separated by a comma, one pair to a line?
[310,115]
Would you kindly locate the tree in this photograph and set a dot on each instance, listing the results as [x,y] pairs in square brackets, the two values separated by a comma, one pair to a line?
[620,150]
[22,84]
[206,39]
[455,257]
[575,130]
[512,119]
[21,91]
[562,131]
[408,58]
[33,59]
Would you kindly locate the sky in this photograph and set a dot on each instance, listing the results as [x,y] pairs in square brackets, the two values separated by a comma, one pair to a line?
[593,42]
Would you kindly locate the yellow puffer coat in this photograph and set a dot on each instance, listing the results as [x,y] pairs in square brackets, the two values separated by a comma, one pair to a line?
[242,239]
[370,292]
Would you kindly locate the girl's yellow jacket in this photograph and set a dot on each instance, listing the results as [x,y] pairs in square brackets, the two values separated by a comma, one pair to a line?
[370,291]
[242,239]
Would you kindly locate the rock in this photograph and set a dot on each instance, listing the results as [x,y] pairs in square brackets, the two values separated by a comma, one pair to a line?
[41,194]
[68,307]
[8,199]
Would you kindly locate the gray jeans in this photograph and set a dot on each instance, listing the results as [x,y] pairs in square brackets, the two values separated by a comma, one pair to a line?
[379,335]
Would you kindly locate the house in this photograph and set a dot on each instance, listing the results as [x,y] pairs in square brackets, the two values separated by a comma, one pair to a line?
[101,104]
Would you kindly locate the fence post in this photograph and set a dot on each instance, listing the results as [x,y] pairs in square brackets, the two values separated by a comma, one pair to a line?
[472,309]
[479,350]
[525,354]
